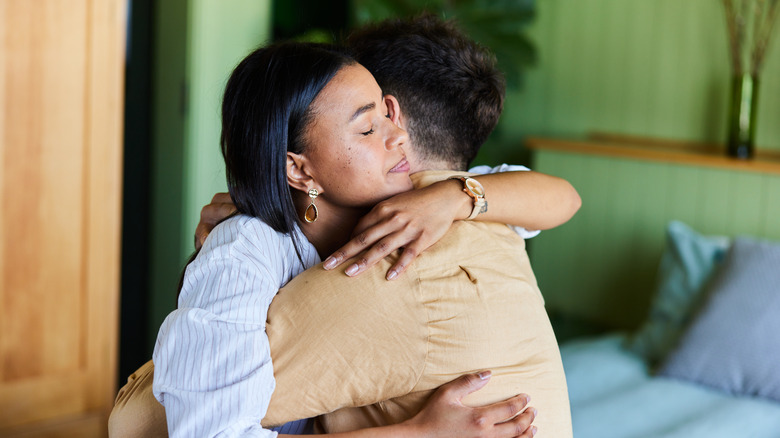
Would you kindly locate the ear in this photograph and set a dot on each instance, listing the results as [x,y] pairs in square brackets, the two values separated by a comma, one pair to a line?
[393,109]
[298,176]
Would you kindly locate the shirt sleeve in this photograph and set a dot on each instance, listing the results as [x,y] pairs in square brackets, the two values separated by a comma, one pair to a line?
[484,170]
[213,370]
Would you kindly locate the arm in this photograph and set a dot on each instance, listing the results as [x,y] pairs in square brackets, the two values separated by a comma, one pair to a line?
[213,367]
[532,200]
[417,219]
[339,342]
[446,416]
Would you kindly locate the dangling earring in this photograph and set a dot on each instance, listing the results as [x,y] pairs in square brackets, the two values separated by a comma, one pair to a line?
[311,214]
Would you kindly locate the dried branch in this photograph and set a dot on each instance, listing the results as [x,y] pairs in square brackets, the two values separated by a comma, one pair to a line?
[739,21]
[762,41]
[736,65]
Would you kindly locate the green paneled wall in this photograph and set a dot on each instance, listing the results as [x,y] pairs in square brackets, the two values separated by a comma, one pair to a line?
[197,44]
[601,265]
[652,68]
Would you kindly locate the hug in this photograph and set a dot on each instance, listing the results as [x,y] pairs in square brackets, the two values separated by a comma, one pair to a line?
[358,157]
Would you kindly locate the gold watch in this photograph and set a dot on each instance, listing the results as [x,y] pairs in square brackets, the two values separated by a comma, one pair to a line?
[474,189]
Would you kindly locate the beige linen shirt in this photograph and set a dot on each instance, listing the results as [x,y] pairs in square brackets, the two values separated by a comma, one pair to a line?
[468,303]
[366,351]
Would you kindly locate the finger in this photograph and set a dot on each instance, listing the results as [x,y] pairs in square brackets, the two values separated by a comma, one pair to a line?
[408,255]
[504,410]
[519,426]
[357,244]
[201,232]
[465,385]
[377,252]
[222,198]
[212,214]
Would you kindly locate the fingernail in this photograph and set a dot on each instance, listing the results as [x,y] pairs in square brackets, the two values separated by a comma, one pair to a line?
[527,399]
[330,263]
[352,270]
[391,275]
[535,412]
[533,430]
[484,375]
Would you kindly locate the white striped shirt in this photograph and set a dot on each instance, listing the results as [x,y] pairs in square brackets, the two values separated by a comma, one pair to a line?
[213,370]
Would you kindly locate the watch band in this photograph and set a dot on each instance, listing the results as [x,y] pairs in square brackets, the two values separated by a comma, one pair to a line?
[474,189]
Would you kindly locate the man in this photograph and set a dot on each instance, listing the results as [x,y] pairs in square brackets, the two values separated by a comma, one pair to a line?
[468,303]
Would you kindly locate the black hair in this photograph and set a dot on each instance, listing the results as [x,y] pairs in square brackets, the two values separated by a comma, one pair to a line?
[266,109]
[448,86]
[265,112]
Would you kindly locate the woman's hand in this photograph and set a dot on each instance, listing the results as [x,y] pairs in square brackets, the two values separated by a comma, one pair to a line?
[412,220]
[445,415]
[221,208]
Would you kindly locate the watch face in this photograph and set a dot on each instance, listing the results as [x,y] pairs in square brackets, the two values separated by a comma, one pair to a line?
[475,187]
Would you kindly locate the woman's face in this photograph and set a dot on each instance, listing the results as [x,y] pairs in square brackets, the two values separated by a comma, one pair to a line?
[354,148]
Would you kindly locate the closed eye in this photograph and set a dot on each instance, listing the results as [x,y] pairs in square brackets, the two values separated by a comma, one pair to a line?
[367,133]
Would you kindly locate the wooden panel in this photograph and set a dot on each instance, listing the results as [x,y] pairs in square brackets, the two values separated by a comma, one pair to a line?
[601,266]
[60,153]
[44,156]
[644,148]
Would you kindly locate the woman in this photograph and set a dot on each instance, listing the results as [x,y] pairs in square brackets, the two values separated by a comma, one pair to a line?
[310,144]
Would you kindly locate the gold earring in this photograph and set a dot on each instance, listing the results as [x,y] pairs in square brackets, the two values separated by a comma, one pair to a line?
[311,214]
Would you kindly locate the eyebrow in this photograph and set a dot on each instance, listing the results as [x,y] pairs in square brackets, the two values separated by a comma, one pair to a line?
[361,110]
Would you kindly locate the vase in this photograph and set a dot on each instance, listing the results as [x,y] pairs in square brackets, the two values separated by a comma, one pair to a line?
[742,116]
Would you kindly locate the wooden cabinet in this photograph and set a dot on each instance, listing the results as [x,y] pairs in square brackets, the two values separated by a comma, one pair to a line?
[61,94]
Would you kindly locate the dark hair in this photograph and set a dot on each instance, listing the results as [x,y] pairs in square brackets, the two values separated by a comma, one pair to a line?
[448,86]
[265,111]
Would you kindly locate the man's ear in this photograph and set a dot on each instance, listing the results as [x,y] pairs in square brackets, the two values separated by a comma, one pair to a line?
[393,109]
[298,176]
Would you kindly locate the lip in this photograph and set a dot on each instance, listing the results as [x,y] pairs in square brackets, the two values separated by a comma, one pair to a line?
[401,167]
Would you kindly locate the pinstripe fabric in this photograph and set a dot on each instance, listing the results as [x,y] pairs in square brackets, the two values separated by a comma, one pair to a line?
[213,371]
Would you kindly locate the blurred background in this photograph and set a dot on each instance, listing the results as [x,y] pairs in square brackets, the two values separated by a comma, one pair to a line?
[109,132]
[657,69]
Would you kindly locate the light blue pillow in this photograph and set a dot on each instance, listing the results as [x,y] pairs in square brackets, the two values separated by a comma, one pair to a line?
[688,261]
[733,343]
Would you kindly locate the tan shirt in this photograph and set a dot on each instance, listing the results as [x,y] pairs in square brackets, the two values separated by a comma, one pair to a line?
[469,303]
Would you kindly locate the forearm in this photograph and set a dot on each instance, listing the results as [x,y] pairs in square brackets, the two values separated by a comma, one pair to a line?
[531,200]
[393,431]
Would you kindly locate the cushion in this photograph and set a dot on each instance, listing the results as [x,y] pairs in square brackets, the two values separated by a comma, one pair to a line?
[733,344]
[686,264]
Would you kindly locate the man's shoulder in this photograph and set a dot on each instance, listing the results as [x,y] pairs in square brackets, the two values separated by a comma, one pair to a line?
[469,239]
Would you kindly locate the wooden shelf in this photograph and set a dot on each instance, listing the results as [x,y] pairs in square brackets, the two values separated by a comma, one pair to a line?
[690,153]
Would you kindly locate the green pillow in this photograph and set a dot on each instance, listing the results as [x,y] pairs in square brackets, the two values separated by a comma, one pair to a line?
[687,263]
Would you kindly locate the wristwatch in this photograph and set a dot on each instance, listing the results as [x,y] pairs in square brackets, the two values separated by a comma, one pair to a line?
[474,189]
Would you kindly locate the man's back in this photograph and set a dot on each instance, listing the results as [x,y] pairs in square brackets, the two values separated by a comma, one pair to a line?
[469,303]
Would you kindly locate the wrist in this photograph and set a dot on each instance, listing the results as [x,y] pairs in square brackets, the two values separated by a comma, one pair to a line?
[461,202]
[476,193]
[411,428]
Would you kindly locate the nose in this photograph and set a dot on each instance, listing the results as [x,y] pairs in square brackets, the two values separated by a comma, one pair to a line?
[396,137]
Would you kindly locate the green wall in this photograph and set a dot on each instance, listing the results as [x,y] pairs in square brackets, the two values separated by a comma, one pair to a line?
[601,266]
[197,43]
[655,68]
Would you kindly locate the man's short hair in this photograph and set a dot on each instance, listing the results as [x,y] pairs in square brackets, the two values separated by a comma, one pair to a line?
[449,87]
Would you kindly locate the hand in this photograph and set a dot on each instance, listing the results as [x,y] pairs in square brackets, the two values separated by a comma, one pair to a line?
[221,207]
[412,220]
[444,415]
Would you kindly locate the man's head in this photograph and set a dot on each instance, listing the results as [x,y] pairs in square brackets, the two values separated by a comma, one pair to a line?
[449,88]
